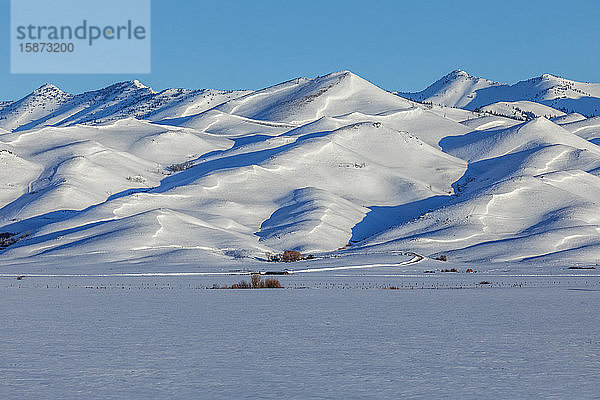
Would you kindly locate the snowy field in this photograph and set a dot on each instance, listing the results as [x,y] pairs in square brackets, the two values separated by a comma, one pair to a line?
[334,334]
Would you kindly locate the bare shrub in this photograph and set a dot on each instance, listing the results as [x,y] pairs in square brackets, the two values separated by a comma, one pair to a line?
[180,166]
[236,253]
[272,283]
[241,285]
[7,238]
[291,256]
[450,270]
[273,257]
[288,256]
[256,281]
[441,257]
[136,179]
[215,286]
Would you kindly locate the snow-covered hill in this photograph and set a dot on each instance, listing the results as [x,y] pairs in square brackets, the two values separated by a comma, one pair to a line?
[331,166]
[50,106]
[459,89]
[523,110]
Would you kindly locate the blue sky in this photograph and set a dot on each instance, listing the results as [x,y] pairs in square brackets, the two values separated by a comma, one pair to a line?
[398,45]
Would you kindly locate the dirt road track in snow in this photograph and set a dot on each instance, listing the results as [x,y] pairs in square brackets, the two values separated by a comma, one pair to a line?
[416,258]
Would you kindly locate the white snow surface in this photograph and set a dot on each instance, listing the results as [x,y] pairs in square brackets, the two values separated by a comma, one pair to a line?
[522,110]
[324,337]
[332,166]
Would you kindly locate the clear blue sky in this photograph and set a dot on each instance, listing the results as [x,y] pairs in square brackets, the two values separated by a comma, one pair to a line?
[399,45]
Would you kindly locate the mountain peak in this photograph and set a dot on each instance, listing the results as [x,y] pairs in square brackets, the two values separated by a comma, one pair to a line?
[456,89]
[47,88]
[459,72]
[341,74]
[341,77]
[133,84]
[138,84]
[550,77]
[127,86]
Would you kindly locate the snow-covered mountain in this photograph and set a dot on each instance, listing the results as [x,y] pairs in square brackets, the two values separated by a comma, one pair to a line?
[459,89]
[332,166]
[50,106]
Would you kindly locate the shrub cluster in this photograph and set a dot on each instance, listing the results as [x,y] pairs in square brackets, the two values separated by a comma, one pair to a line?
[256,283]
[7,239]
[180,167]
[288,256]
[450,270]
[291,256]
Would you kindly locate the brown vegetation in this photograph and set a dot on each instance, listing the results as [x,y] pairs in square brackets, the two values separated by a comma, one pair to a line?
[272,283]
[291,256]
[256,283]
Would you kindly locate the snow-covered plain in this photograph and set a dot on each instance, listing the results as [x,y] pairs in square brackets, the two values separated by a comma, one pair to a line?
[325,336]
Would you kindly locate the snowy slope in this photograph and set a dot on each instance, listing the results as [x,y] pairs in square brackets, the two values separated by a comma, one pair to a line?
[42,102]
[303,100]
[530,193]
[522,110]
[459,89]
[588,129]
[332,166]
[565,119]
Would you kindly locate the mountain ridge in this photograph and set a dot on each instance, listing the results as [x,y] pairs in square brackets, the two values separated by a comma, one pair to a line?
[332,165]
[563,94]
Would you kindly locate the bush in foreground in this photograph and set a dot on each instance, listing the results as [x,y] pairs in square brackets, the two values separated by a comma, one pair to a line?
[240,285]
[256,283]
[272,283]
